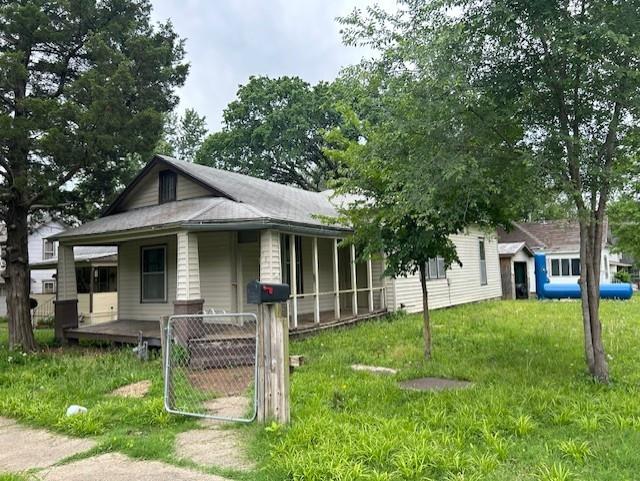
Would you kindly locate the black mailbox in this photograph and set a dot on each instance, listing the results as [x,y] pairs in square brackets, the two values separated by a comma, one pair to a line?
[267,292]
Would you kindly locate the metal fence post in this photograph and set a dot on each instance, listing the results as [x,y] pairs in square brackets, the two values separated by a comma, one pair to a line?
[273,370]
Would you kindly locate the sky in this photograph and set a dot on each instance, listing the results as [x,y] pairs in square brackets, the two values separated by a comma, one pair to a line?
[229,40]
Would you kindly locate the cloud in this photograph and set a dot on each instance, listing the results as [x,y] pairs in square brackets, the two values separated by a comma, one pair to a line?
[230,40]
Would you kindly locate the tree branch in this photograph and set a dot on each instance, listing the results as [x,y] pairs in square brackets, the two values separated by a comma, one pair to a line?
[63,179]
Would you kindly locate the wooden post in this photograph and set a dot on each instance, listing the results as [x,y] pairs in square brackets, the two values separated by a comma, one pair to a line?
[354,281]
[370,283]
[336,280]
[273,369]
[294,280]
[316,283]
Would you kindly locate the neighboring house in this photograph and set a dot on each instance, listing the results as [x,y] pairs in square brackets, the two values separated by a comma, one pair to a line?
[190,237]
[560,241]
[516,270]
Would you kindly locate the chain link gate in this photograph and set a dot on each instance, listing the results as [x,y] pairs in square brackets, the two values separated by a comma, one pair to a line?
[210,366]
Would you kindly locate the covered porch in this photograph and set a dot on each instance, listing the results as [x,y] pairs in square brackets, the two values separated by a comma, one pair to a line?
[189,271]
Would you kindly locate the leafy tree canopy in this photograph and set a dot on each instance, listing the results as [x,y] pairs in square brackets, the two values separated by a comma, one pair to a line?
[183,136]
[84,87]
[274,130]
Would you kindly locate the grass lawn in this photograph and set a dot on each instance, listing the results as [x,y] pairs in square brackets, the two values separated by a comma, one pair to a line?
[532,414]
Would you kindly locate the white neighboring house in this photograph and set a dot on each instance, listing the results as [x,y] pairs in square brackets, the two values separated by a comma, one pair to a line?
[560,241]
[190,237]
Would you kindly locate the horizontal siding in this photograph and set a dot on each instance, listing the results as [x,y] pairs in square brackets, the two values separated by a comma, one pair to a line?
[462,284]
[216,281]
[146,192]
[129,305]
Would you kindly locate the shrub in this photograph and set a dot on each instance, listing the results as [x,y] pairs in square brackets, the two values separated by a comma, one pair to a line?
[622,276]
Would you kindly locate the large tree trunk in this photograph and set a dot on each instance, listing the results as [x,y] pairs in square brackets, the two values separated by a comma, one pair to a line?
[18,279]
[591,235]
[426,321]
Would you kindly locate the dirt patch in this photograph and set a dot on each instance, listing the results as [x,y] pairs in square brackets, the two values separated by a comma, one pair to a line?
[224,381]
[23,448]
[118,467]
[434,384]
[134,390]
[226,407]
[214,447]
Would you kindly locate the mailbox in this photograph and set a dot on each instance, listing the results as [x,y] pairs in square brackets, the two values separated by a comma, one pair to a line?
[267,292]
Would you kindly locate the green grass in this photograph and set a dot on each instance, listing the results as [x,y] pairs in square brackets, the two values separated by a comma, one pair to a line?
[533,413]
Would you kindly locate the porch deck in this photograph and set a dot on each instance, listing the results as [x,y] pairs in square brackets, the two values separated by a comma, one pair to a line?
[127,331]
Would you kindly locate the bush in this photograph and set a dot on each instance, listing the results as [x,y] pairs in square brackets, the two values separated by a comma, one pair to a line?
[622,276]
[3,320]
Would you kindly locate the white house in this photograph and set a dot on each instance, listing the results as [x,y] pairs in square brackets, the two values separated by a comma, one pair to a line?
[560,241]
[190,237]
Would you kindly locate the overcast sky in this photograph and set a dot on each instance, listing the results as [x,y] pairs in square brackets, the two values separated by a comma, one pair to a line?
[229,40]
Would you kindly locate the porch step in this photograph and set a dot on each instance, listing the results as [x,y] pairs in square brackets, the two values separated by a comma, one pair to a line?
[208,354]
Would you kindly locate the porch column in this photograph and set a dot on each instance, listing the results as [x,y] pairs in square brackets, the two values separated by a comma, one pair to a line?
[66,303]
[188,297]
[354,282]
[316,283]
[370,283]
[336,281]
[294,280]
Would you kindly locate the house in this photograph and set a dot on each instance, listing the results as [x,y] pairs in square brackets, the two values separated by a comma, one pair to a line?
[43,260]
[190,237]
[560,241]
[516,270]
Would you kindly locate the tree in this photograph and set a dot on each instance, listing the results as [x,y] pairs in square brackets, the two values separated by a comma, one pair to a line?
[84,85]
[563,73]
[417,176]
[183,136]
[624,219]
[274,130]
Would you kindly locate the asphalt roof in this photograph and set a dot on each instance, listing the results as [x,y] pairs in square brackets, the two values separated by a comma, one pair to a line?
[508,249]
[82,254]
[244,200]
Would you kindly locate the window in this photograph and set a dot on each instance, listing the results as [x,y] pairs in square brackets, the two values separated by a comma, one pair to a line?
[48,249]
[153,274]
[565,267]
[49,287]
[555,267]
[168,181]
[285,253]
[436,268]
[83,279]
[105,279]
[575,267]
[483,264]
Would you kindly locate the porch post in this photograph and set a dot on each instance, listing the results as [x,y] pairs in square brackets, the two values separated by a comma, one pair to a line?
[66,304]
[294,280]
[316,283]
[188,297]
[354,282]
[370,283]
[336,280]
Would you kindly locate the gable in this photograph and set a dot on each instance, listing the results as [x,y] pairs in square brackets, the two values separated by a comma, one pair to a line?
[146,191]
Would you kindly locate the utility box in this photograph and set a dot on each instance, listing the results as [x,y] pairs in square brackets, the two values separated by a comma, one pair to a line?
[267,292]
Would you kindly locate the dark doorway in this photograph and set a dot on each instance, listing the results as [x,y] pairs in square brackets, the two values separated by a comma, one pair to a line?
[520,274]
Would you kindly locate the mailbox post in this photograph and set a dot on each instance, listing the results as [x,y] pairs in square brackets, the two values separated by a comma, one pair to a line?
[272,383]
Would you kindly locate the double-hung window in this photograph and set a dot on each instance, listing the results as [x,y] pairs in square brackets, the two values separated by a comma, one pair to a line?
[48,249]
[154,274]
[436,268]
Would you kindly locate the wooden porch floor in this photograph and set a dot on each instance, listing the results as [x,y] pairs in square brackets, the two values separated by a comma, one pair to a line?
[127,331]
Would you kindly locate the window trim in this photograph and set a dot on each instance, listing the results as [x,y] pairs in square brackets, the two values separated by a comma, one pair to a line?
[437,261]
[482,261]
[166,283]
[44,249]
[47,281]
[161,175]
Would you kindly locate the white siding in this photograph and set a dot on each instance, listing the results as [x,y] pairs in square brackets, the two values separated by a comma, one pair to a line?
[129,305]
[146,192]
[188,267]
[35,246]
[605,262]
[462,284]
[216,280]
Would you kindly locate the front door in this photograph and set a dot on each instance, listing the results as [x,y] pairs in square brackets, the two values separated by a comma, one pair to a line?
[520,274]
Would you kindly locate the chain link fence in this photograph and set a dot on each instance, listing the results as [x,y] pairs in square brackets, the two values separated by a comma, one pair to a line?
[210,366]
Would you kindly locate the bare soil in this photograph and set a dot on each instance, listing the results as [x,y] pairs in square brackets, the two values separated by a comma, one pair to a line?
[434,384]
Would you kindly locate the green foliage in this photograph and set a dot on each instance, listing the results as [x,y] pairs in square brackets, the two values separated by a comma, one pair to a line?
[524,418]
[182,136]
[624,219]
[274,130]
[84,88]
[622,276]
